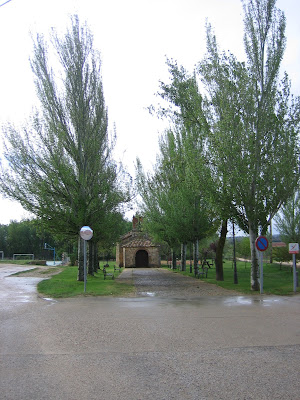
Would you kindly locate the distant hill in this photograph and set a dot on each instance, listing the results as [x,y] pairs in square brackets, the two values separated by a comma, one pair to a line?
[276,238]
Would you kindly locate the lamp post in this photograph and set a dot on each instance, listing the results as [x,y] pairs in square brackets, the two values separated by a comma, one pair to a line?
[86,233]
[48,247]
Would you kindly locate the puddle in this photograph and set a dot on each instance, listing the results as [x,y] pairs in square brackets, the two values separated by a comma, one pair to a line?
[244,301]
[52,263]
[149,294]
[49,300]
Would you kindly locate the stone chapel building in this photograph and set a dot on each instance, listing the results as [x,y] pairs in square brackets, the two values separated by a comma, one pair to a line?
[136,249]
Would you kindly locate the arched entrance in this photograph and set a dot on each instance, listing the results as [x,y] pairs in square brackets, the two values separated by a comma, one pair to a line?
[141,259]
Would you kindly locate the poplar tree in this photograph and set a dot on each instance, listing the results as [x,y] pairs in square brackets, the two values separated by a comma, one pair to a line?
[269,150]
[174,198]
[60,166]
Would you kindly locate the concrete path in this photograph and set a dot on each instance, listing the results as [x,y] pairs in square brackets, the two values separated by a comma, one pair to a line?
[150,347]
[15,290]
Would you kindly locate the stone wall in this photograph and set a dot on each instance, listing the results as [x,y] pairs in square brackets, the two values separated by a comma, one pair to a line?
[130,252]
[119,255]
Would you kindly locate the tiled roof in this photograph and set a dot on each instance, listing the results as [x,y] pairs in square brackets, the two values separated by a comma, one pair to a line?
[139,242]
[278,244]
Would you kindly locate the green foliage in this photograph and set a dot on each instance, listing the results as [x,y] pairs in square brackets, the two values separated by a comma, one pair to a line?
[176,197]
[73,258]
[288,220]
[243,247]
[277,281]
[282,254]
[246,122]
[37,262]
[28,237]
[253,137]
[60,166]
[3,239]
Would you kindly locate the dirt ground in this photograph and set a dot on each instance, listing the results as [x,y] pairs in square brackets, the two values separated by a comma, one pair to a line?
[40,271]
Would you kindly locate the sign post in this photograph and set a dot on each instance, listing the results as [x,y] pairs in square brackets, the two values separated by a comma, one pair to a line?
[86,233]
[294,249]
[261,244]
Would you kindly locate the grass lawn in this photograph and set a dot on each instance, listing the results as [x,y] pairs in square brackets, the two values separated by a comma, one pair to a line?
[65,284]
[18,262]
[276,281]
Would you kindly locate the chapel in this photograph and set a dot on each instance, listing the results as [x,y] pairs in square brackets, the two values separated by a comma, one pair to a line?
[136,249]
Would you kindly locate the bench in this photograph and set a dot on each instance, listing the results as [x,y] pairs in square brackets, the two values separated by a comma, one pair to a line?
[108,274]
[117,268]
[206,262]
[202,272]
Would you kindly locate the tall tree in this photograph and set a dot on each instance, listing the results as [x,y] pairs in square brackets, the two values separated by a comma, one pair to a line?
[288,220]
[3,240]
[254,122]
[175,202]
[186,107]
[270,125]
[60,167]
[224,82]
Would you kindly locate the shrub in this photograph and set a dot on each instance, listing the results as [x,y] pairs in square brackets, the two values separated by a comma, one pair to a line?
[37,262]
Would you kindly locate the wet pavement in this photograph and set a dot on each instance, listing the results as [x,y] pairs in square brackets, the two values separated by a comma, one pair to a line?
[150,346]
[16,290]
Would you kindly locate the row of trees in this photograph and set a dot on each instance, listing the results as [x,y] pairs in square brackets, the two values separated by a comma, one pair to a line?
[29,237]
[60,165]
[288,220]
[232,150]
[25,238]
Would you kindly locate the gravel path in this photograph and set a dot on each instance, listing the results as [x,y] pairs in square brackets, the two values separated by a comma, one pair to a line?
[165,283]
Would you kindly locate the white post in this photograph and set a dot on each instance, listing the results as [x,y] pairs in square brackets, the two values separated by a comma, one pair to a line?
[261,273]
[84,264]
[294,249]
[294,273]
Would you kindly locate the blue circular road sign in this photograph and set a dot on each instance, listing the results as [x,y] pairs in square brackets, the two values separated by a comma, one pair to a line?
[261,243]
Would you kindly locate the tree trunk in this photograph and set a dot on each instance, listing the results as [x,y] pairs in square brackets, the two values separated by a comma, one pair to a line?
[91,260]
[271,242]
[80,275]
[219,252]
[253,233]
[96,260]
[196,255]
[183,256]
[173,259]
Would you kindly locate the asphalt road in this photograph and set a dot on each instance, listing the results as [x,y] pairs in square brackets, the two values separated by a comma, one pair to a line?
[147,347]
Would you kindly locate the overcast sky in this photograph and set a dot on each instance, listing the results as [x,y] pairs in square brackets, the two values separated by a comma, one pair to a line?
[134,38]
